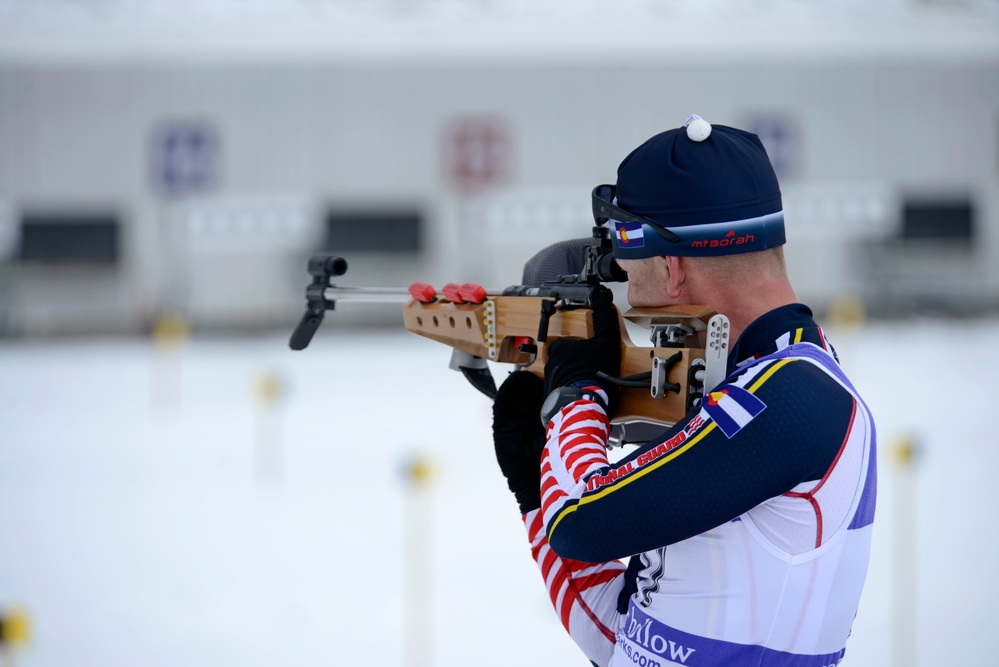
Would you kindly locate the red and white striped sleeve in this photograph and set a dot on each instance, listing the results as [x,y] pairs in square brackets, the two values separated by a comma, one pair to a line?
[585,595]
[576,447]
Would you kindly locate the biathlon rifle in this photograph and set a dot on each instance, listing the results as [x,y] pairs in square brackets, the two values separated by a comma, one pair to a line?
[659,384]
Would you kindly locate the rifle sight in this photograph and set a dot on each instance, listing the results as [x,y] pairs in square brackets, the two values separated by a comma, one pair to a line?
[326,266]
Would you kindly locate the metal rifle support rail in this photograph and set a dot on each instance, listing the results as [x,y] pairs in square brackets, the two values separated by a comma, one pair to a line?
[515,325]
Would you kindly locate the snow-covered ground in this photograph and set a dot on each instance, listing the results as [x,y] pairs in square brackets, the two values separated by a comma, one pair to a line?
[155,509]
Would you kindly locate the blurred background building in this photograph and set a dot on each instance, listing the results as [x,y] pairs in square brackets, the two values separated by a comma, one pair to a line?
[189,156]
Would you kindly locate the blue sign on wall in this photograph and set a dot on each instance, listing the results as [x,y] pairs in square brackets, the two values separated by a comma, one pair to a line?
[185,157]
[781,136]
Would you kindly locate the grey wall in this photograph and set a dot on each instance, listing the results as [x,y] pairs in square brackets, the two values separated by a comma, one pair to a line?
[302,137]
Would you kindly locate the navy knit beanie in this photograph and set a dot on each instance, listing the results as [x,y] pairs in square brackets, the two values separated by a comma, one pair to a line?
[695,191]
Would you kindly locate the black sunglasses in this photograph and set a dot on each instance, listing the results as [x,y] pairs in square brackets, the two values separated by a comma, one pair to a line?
[604,210]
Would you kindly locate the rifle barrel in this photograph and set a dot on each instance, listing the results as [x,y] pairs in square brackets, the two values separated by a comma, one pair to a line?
[368,294]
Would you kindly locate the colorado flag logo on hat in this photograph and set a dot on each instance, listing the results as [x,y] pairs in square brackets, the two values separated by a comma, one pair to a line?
[732,408]
[630,234]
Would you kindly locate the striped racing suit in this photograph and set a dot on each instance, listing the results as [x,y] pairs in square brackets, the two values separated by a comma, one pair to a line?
[748,524]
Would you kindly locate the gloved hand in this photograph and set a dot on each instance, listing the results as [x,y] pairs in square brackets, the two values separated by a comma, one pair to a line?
[519,437]
[576,360]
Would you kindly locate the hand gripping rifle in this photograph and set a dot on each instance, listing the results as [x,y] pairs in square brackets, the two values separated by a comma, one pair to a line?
[660,384]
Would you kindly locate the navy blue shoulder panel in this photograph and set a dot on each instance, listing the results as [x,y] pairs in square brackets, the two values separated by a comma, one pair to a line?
[700,475]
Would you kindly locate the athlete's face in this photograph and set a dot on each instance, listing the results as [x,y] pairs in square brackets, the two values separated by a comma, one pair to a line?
[647,281]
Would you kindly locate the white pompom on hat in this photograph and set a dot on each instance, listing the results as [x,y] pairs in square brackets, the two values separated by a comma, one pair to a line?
[698,129]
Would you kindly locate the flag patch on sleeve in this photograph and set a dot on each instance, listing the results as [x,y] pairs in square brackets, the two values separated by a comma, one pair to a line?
[630,234]
[732,408]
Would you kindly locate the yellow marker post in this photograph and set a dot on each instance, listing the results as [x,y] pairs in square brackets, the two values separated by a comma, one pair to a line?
[904,452]
[847,312]
[171,332]
[846,315]
[15,633]
[269,390]
[419,474]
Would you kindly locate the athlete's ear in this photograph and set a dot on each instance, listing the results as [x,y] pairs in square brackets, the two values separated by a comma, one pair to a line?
[676,276]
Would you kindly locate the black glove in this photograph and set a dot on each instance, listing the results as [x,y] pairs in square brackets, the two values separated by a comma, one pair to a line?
[577,360]
[519,437]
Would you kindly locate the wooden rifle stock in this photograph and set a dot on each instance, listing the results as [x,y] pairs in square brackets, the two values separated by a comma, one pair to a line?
[658,384]
[497,328]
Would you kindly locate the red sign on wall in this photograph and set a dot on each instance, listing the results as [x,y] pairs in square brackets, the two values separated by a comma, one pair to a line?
[476,152]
